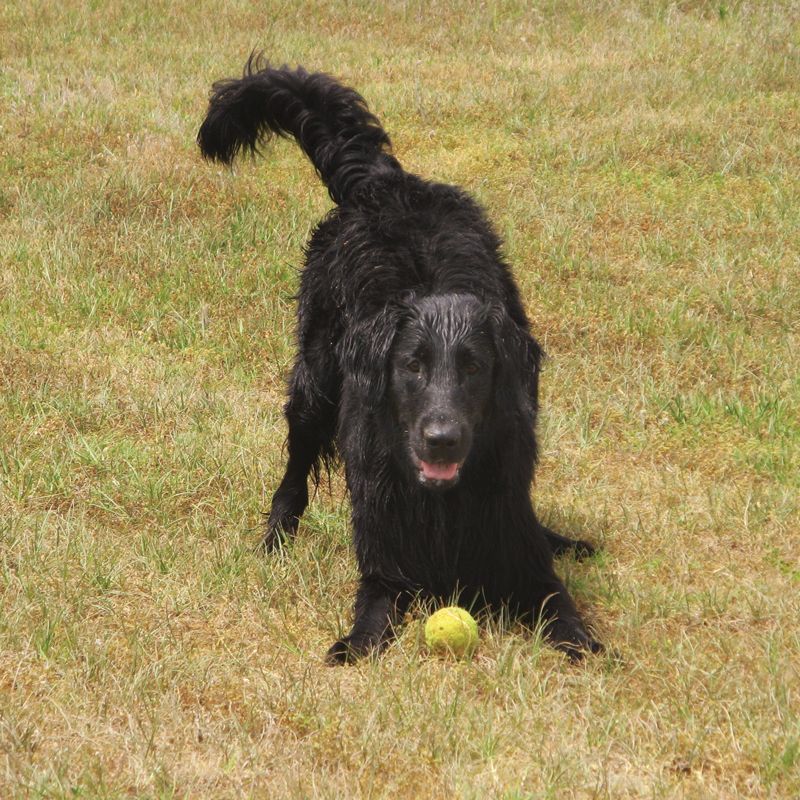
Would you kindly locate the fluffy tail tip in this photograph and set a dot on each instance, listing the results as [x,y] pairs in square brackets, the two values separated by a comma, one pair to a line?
[216,141]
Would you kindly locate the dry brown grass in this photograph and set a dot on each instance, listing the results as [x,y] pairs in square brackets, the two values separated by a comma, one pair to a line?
[641,160]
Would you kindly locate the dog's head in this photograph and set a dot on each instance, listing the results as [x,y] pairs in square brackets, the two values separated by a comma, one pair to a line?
[441,377]
[447,369]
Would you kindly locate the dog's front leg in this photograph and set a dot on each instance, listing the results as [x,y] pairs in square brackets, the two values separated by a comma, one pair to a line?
[378,608]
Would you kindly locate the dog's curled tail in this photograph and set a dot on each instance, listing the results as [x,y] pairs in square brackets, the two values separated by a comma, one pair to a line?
[330,122]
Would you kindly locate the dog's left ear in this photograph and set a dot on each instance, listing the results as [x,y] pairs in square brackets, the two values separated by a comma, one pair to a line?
[518,362]
[365,351]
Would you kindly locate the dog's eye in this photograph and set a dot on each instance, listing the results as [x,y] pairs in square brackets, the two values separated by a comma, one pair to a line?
[472,368]
[414,365]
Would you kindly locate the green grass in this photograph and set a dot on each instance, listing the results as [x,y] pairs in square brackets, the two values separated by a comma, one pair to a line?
[640,160]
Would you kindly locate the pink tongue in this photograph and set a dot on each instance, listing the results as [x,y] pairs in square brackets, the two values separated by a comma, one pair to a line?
[439,472]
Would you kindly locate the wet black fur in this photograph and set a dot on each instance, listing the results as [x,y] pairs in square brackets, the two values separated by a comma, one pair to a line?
[403,265]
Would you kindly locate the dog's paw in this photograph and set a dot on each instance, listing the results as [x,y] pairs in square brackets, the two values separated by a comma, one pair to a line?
[274,538]
[583,549]
[352,649]
[564,545]
[279,530]
[288,505]
[339,654]
[572,640]
[578,652]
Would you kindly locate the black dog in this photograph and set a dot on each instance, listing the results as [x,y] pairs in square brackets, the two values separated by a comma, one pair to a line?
[415,363]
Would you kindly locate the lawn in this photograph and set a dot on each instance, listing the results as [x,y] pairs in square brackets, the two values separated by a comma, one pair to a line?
[641,161]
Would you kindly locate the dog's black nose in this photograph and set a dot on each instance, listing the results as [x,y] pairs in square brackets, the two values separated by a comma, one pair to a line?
[441,435]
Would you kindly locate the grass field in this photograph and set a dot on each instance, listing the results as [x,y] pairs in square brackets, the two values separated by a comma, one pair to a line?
[641,161]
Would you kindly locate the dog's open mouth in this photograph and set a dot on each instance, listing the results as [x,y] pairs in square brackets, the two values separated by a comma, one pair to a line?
[438,472]
[438,475]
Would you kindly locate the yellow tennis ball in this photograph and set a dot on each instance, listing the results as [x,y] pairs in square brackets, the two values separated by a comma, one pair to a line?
[452,630]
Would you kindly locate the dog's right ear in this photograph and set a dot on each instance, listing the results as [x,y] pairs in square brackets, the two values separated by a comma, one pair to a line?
[365,351]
